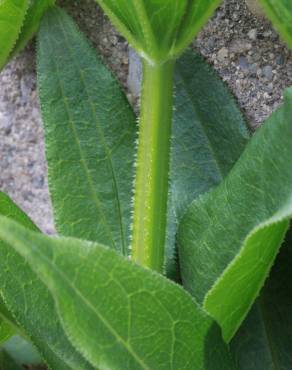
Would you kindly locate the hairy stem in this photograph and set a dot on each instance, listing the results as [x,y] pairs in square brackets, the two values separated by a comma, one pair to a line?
[151,184]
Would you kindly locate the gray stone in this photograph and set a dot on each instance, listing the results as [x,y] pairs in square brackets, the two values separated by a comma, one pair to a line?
[252,34]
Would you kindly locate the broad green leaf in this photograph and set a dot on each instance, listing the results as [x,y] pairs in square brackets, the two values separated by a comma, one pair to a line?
[206,142]
[280,13]
[90,134]
[229,238]
[117,313]
[12,14]
[264,340]
[30,302]
[159,29]
[31,23]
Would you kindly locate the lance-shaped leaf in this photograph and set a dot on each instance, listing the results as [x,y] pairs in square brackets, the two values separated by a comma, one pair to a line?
[117,313]
[12,14]
[90,134]
[205,142]
[31,23]
[30,302]
[280,13]
[264,340]
[229,238]
[159,30]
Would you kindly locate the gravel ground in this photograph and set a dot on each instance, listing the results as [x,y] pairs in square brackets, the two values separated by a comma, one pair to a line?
[243,49]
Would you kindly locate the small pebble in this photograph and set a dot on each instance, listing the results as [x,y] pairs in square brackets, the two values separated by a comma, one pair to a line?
[252,34]
[223,54]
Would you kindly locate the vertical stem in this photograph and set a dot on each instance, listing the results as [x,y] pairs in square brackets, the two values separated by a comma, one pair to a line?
[151,184]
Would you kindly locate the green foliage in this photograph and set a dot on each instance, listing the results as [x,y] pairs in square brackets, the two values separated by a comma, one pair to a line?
[159,29]
[230,237]
[267,327]
[6,331]
[7,362]
[12,14]
[19,21]
[31,23]
[30,302]
[83,107]
[203,150]
[59,45]
[116,312]
[280,13]
[80,300]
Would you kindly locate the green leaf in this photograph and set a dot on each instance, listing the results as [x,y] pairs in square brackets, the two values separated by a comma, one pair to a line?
[116,312]
[7,362]
[31,23]
[30,302]
[12,14]
[5,315]
[230,237]
[90,134]
[196,15]
[264,340]
[206,142]
[159,29]
[280,13]
[6,331]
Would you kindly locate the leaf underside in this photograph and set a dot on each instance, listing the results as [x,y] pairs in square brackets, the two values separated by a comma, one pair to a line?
[230,237]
